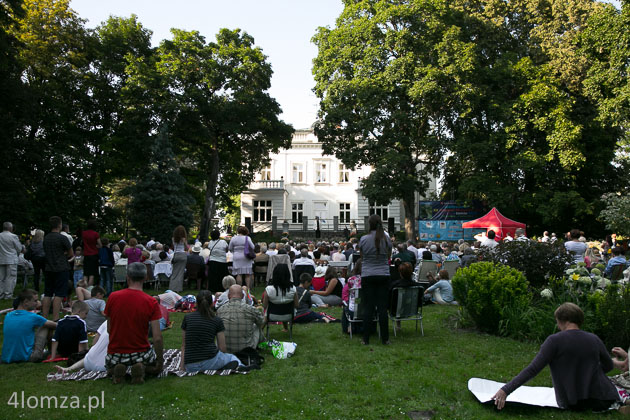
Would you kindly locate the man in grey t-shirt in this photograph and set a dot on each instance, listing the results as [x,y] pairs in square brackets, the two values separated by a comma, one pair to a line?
[10,248]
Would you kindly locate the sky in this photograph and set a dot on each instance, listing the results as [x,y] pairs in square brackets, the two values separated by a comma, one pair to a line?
[281,28]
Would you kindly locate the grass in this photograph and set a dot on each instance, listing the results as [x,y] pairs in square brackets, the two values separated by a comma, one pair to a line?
[329,377]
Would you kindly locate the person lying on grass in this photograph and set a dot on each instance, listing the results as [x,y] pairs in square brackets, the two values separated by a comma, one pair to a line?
[94,360]
[71,333]
[25,334]
[200,329]
[578,361]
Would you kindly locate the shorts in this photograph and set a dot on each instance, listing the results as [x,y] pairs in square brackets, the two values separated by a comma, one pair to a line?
[56,284]
[90,265]
[129,359]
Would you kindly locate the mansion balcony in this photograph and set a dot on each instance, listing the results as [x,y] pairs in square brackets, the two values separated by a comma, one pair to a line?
[274,184]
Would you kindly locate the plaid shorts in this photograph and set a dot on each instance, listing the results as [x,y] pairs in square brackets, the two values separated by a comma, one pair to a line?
[129,359]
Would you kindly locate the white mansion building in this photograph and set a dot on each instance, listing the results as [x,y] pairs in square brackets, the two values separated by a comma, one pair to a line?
[301,183]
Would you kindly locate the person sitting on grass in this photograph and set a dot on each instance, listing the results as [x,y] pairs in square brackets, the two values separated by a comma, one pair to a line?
[223,298]
[200,329]
[83,291]
[281,290]
[578,361]
[331,296]
[128,312]
[304,313]
[242,322]
[442,290]
[96,315]
[71,333]
[94,360]
[25,334]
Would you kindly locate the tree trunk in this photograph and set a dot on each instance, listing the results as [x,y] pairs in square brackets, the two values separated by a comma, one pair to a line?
[410,216]
[211,192]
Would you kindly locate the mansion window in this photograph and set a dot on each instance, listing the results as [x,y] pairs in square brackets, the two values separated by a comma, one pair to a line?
[380,210]
[344,173]
[344,212]
[321,172]
[297,173]
[262,210]
[297,211]
[265,174]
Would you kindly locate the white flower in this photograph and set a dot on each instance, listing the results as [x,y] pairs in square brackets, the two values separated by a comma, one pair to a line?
[546,293]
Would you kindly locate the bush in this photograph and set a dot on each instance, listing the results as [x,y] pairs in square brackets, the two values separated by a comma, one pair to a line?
[485,290]
[613,316]
[537,261]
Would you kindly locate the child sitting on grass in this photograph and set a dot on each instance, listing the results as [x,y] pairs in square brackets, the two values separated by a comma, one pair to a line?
[96,315]
[71,333]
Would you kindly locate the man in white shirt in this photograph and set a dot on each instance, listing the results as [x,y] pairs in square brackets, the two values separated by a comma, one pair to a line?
[304,259]
[337,255]
[545,237]
[10,248]
[411,247]
[66,232]
[272,249]
[520,235]
[489,241]
[508,238]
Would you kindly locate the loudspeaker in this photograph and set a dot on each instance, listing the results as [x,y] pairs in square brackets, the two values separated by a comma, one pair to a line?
[248,225]
[391,228]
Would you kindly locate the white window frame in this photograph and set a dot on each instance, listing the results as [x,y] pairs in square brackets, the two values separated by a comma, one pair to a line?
[344,212]
[301,173]
[380,210]
[297,209]
[344,174]
[262,208]
[265,173]
[321,172]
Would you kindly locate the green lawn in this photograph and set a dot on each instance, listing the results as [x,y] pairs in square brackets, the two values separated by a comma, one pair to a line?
[329,377]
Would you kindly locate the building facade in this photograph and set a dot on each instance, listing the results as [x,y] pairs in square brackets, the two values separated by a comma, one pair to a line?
[302,186]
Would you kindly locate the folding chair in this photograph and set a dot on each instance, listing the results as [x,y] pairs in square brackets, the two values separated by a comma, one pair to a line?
[408,306]
[425,268]
[259,277]
[283,312]
[357,315]
[451,267]
[120,275]
[301,269]
[617,273]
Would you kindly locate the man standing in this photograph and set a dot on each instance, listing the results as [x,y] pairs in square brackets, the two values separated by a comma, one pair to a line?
[242,322]
[58,250]
[10,248]
[129,312]
[520,235]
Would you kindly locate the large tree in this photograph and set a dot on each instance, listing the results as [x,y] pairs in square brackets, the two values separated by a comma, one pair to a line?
[386,87]
[223,121]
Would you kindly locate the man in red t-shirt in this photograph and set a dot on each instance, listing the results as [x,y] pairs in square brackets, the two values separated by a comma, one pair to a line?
[91,245]
[129,313]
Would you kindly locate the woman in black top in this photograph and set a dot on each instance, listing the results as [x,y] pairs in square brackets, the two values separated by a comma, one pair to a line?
[332,295]
[199,330]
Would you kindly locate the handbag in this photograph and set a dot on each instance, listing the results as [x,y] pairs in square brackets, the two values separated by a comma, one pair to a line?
[249,253]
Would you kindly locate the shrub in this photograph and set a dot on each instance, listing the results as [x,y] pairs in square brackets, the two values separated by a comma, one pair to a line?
[613,316]
[486,289]
[537,261]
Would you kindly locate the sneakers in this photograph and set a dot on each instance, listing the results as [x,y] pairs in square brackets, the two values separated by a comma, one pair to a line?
[119,373]
[232,365]
[137,374]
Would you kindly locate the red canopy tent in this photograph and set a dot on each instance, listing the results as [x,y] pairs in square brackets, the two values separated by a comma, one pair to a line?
[495,221]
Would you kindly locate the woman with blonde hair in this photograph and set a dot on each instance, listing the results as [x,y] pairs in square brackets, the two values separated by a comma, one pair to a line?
[180,247]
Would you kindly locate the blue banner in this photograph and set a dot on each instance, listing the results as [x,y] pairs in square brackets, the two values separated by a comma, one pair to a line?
[447,210]
[445,230]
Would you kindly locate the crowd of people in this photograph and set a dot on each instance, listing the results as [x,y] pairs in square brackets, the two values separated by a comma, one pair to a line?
[226,319]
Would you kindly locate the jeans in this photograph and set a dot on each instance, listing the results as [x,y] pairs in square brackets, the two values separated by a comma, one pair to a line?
[375,293]
[107,279]
[216,363]
[78,275]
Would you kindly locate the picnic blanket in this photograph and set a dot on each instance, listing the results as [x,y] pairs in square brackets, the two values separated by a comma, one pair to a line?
[541,396]
[171,367]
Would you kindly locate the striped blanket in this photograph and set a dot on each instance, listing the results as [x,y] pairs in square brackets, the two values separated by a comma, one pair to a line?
[171,367]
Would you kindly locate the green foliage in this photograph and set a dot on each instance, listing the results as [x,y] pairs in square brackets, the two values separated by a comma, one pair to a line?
[159,201]
[613,316]
[617,213]
[536,260]
[486,289]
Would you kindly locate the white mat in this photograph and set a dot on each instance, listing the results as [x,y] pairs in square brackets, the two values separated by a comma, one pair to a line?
[540,396]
